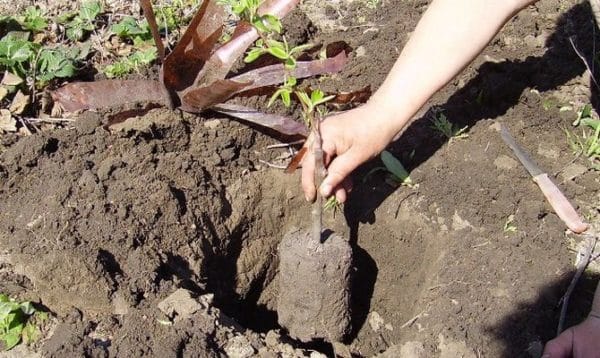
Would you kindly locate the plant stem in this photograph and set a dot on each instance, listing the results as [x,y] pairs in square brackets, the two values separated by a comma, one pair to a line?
[150,17]
[317,208]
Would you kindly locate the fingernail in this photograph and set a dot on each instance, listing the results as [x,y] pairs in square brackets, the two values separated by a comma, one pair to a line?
[326,189]
[307,198]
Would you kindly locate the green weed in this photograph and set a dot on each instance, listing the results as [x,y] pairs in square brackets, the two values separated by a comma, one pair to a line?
[33,19]
[588,142]
[27,59]
[396,173]
[19,322]
[84,21]
[131,63]
[446,128]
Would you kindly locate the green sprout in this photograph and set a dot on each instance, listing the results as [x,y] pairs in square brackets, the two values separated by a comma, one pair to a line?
[446,128]
[509,224]
[332,204]
[396,173]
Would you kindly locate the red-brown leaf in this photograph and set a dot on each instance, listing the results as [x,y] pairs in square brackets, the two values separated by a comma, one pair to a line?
[193,49]
[282,124]
[109,93]
[197,99]
[274,74]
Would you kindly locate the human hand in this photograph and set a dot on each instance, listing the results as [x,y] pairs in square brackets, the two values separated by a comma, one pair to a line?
[348,140]
[581,341]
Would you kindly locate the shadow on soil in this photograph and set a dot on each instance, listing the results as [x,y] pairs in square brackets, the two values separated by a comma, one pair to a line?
[496,88]
[537,321]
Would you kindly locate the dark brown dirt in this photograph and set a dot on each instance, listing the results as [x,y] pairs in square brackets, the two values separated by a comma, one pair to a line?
[101,227]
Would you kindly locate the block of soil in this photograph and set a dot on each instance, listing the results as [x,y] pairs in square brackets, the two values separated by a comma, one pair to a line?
[314,292]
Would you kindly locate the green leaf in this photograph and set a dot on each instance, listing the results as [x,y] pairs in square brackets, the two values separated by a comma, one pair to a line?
[253,54]
[394,166]
[305,100]
[278,52]
[33,19]
[260,26]
[591,122]
[27,308]
[90,10]
[272,23]
[128,27]
[290,63]
[11,340]
[316,96]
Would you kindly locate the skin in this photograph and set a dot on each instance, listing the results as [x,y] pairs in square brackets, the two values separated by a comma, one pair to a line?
[581,341]
[353,137]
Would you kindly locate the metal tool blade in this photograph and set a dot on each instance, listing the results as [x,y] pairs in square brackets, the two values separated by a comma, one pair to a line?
[525,159]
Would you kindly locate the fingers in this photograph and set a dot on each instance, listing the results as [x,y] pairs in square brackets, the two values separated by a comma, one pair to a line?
[308,177]
[561,346]
[338,170]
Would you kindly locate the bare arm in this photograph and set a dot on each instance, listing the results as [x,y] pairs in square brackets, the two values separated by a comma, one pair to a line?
[447,38]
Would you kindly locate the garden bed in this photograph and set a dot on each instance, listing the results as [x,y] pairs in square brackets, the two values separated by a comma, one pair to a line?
[100,227]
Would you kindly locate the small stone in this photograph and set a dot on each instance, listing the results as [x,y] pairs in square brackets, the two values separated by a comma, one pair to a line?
[239,347]
[180,305]
[212,124]
[120,305]
[272,339]
[317,355]
[375,321]
[360,51]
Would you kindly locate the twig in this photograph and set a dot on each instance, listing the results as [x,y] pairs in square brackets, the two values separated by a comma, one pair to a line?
[585,62]
[49,120]
[580,268]
[271,165]
[150,17]
[412,320]
[284,145]
[24,125]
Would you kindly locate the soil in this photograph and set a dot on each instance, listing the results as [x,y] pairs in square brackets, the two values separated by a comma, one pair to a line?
[160,239]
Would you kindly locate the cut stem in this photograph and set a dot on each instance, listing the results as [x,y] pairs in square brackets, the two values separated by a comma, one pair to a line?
[149,13]
[317,208]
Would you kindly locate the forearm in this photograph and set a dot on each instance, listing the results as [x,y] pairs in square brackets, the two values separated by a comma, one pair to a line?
[448,37]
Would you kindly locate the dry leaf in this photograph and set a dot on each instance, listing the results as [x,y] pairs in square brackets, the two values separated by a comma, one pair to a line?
[19,103]
[10,79]
[109,93]
[282,124]
[3,92]
[7,122]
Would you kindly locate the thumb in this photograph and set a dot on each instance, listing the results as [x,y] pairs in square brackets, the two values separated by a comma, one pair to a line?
[561,346]
[338,170]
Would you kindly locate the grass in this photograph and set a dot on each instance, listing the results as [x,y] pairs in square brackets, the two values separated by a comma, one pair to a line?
[584,139]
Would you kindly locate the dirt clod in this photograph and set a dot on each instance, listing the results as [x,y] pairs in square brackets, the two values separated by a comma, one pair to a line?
[314,292]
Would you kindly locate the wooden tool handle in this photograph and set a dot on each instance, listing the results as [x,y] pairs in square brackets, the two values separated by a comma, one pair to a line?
[560,204]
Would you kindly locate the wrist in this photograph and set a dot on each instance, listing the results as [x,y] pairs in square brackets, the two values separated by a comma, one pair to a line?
[390,116]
